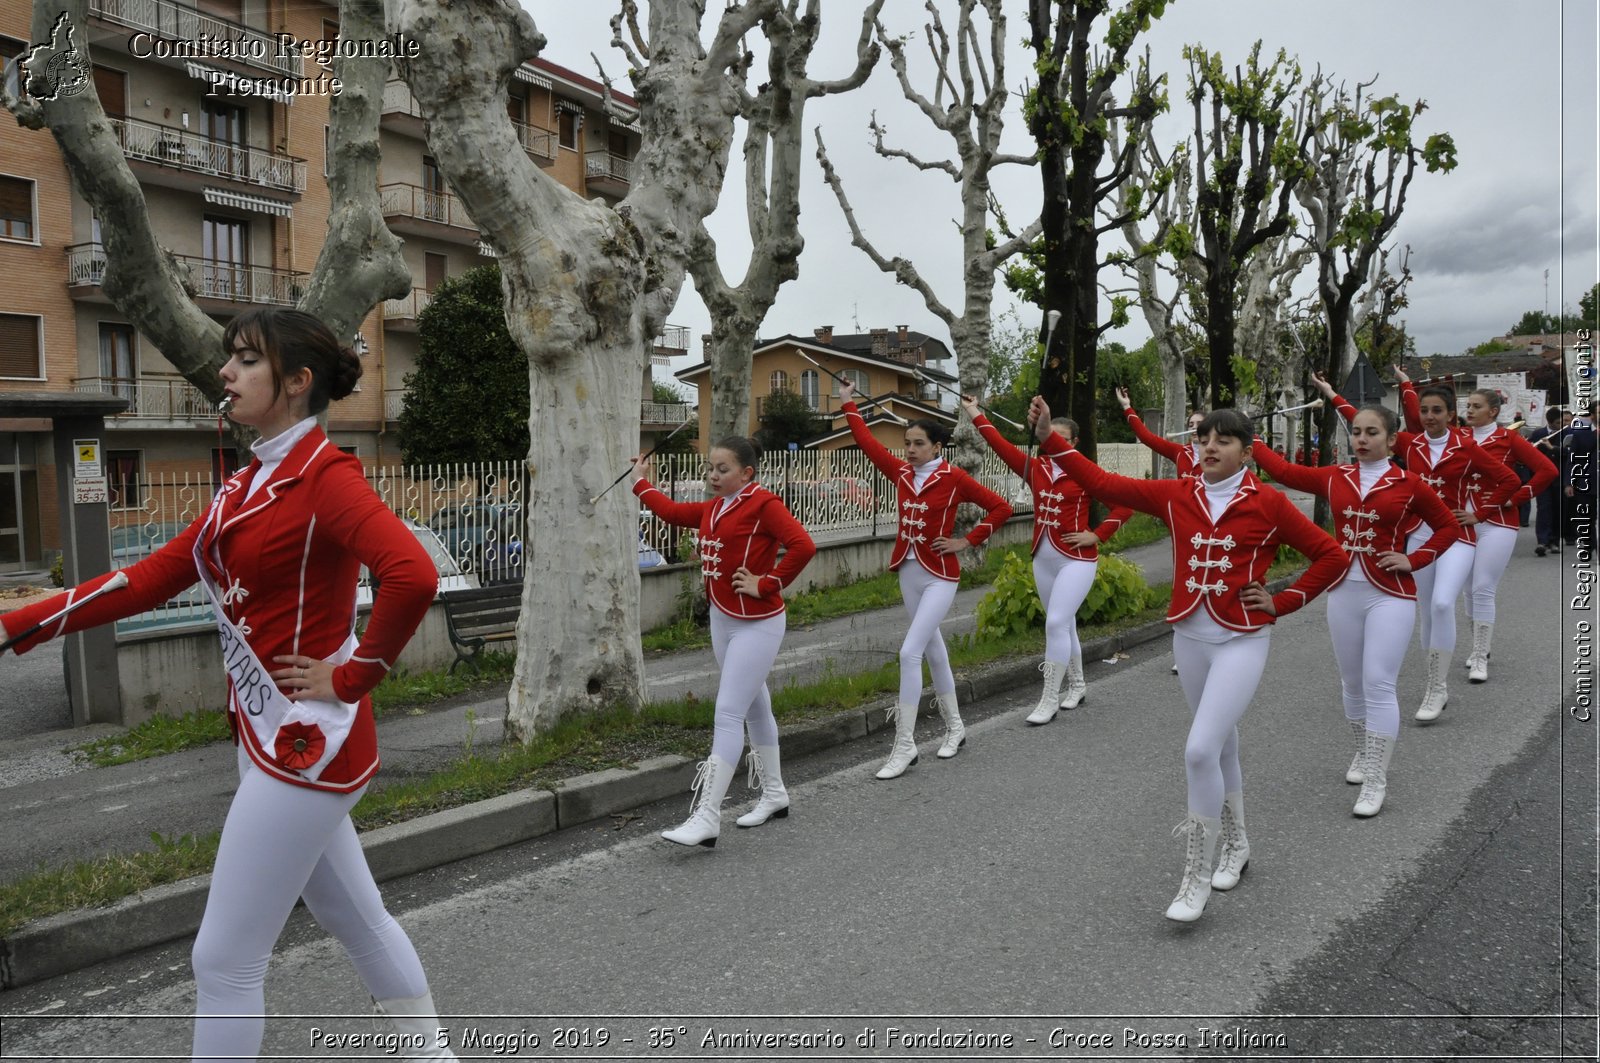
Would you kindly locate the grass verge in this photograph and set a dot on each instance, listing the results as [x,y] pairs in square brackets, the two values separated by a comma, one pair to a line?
[615,739]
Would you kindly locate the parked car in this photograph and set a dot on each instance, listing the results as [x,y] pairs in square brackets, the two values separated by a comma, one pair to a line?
[132,543]
[485,538]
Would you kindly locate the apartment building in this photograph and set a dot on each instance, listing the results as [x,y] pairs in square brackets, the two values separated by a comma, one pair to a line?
[235,186]
[882,363]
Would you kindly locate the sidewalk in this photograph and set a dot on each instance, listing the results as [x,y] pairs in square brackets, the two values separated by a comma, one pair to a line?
[58,812]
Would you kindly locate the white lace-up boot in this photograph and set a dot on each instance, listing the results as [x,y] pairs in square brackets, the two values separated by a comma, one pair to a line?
[765,772]
[903,753]
[1376,771]
[1076,687]
[711,782]
[1195,889]
[1358,728]
[955,732]
[1437,695]
[1234,848]
[1050,696]
[1482,632]
[415,1020]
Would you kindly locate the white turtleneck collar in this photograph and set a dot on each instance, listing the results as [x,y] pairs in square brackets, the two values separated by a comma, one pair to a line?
[271,452]
[1483,432]
[920,473]
[1371,473]
[1218,495]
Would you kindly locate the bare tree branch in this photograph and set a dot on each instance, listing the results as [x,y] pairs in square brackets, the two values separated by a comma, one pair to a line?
[901,268]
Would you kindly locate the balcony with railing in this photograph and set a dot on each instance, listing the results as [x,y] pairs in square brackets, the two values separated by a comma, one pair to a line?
[540,144]
[665,413]
[417,211]
[401,111]
[228,282]
[199,36]
[394,403]
[607,173]
[177,157]
[402,314]
[164,398]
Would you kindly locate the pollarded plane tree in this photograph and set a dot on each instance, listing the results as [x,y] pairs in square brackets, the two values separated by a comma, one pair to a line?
[1160,191]
[973,119]
[1073,115]
[774,116]
[587,286]
[1163,251]
[360,261]
[1360,157]
[1247,163]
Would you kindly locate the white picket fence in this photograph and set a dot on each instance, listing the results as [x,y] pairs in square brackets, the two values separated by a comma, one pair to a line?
[476,514]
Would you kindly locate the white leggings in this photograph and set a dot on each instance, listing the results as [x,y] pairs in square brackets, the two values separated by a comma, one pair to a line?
[1371,631]
[282,842]
[745,651]
[1493,554]
[1218,679]
[928,599]
[1063,584]
[1438,586]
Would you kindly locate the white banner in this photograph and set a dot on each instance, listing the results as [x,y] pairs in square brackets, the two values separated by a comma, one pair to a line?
[1531,404]
[1510,386]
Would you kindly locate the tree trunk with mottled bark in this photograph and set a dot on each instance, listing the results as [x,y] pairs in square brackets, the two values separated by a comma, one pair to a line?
[587,286]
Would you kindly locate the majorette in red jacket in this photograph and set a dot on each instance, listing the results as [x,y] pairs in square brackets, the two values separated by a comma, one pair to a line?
[286,563]
[1462,468]
[1213,560]
[745,535]
[930,513]
[1507,447]
[1060,505]
[1180,454]
[1367,527]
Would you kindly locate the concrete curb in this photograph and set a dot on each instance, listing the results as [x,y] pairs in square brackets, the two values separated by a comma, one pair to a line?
[71,941]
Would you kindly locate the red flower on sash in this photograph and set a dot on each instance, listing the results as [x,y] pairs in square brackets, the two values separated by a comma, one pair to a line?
[300,745]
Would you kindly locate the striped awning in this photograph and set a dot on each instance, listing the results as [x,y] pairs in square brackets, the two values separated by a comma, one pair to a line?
[632,125]
[523,73]
[201,72]
[223,197]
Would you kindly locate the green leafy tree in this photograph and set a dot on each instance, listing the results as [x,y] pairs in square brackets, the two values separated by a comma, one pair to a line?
[787,418]
[1081,49]
[1589,308]
[467,400]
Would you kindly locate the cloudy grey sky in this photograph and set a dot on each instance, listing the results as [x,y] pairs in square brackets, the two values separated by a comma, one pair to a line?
[1515,87]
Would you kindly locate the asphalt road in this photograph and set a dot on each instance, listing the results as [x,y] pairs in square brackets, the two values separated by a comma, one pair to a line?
[1026,880]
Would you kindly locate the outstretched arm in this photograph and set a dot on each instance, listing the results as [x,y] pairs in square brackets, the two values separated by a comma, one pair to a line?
[1286,472]
[151,582]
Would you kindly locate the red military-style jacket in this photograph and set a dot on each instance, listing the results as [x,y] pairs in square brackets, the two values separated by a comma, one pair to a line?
[1506,447]
[1212,560]
[746,535]
[286,564]
[1463,467]
[1377,524]
[930,513]
[1060,505]
[1180,454]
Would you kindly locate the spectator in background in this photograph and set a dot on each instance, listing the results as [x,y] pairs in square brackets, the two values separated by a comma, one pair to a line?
[1545,520]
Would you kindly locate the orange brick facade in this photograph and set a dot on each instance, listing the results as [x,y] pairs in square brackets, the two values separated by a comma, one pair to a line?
[219,177]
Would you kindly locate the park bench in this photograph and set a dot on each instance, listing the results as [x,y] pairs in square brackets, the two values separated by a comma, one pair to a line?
[480,615]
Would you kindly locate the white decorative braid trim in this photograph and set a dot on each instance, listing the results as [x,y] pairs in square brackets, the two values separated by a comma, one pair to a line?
[387,667]
[300,607]
[1205,588]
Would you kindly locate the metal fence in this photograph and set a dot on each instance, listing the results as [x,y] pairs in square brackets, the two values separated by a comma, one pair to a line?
[478,513]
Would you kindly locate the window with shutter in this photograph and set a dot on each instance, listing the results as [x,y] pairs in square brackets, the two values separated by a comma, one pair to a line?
[16,209]
[20,353]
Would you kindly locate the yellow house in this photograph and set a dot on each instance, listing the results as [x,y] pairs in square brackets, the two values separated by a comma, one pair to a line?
[883,364]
